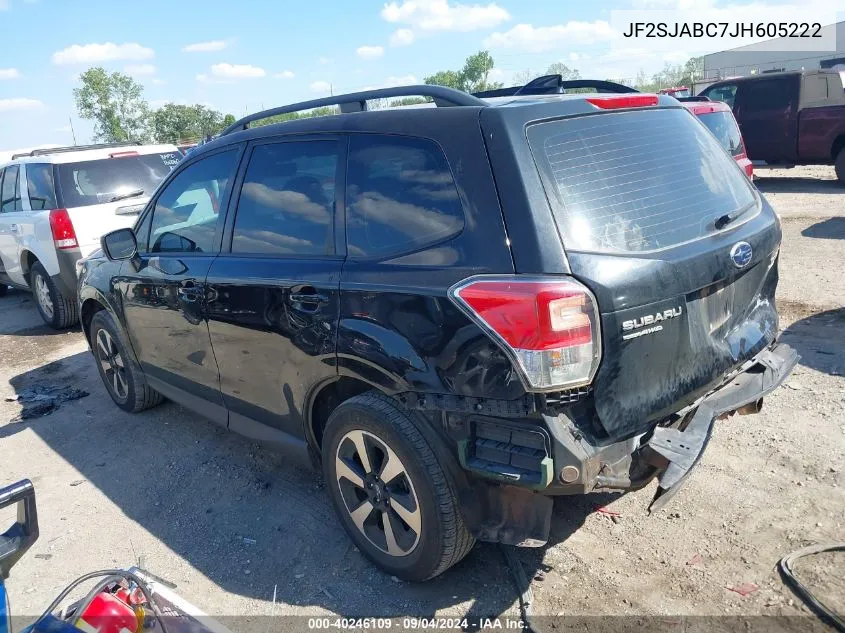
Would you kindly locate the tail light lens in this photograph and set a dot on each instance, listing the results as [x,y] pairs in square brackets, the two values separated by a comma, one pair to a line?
[63,234]
[549,327]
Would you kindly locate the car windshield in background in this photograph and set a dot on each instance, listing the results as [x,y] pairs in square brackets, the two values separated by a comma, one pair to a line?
[98,181]
[636,181]
[723,126]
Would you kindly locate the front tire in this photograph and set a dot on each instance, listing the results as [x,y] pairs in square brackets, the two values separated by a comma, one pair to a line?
[839,166]
[393,497]
[121,375]
[58,311]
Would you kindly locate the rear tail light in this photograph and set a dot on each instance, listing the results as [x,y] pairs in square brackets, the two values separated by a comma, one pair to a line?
[625,101]
[63,234]
[549,327]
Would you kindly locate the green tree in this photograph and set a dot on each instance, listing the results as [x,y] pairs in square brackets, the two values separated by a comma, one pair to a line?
[559,68]
[473,77]
[115,103]
[174,122]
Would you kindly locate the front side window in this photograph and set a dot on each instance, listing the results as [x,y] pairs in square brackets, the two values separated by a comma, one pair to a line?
[39,184]
[400,196]
[184,219]
[10,192]
[725,94]
[286,206]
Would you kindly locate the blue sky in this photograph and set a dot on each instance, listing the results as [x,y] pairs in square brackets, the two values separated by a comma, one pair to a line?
[240,56]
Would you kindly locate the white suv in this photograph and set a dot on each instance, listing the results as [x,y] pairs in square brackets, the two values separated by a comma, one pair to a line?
[55,203]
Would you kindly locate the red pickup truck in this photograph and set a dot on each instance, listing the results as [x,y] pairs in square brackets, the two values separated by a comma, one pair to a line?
[791,118]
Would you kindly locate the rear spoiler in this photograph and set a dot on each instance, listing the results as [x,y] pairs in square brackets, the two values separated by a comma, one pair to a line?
[555,84]
[688,99]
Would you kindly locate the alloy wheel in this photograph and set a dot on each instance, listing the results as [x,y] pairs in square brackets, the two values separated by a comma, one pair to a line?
[378,493]
[42,295]
[112,364]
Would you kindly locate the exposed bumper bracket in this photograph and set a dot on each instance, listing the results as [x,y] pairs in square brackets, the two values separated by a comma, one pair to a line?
[683,448]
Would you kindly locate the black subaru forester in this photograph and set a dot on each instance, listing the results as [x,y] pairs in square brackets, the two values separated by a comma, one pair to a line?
[459,311]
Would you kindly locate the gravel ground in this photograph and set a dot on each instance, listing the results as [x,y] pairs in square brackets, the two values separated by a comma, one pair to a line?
[230,522]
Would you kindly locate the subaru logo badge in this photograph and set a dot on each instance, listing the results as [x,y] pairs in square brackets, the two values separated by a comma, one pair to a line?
[741,254]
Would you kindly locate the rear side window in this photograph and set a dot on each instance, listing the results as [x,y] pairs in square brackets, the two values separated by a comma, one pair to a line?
[39,184]
[636,181]
[723,126]
[400,196]
[770,94]
[286,206]
[98,181]
[10,192]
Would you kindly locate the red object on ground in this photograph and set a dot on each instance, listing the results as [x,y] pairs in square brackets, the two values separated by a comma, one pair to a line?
[608,512]
[108,614]
[694,560]
[744,589]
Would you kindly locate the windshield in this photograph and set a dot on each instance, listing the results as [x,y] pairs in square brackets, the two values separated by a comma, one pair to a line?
[636,181]
[98,181]
[723,126]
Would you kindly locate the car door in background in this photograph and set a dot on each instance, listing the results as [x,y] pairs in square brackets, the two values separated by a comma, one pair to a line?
[767,112]
[274,288]
[11,210]
[164,291]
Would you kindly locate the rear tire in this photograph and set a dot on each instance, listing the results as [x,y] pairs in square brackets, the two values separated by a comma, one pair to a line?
[840,166]
[58,311]
[402,488]
[121,375]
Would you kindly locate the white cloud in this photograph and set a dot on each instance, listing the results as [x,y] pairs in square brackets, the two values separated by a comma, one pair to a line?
[285,74]
[206,47]
[138,70]
[370,52]
[321,86]
[9,73]
[159,82]
[496,74]
[13,105]
[531,39]
[402,37]
[403,80]
[237,71]
[95,53]
[439,15]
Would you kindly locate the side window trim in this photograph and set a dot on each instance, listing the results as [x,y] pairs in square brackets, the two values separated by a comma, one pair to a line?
[224,202]
[23,184]
[339,196]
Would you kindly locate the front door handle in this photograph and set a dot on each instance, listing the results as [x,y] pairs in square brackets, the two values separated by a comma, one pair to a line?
[308,297]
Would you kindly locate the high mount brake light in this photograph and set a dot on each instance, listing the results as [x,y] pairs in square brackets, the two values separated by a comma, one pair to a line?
[64,235]
[626,101]
[548,326]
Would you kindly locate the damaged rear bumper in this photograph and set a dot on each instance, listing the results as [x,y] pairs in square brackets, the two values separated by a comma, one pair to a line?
[679,449]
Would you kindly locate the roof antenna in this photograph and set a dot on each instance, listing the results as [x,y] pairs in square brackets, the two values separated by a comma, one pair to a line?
[70,120]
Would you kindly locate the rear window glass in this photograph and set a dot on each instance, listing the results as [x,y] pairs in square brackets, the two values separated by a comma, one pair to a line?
[98,181]
[722,125]
[636,181]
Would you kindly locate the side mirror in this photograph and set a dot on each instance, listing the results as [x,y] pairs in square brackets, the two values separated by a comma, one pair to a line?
[119,245]
[15,541]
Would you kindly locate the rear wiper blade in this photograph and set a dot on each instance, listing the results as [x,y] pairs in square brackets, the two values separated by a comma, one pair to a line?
[723,220]
[129,194]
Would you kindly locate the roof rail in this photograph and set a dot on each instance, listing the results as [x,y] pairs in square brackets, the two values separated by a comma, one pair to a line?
[555,84]
[357,102]
[73,148]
